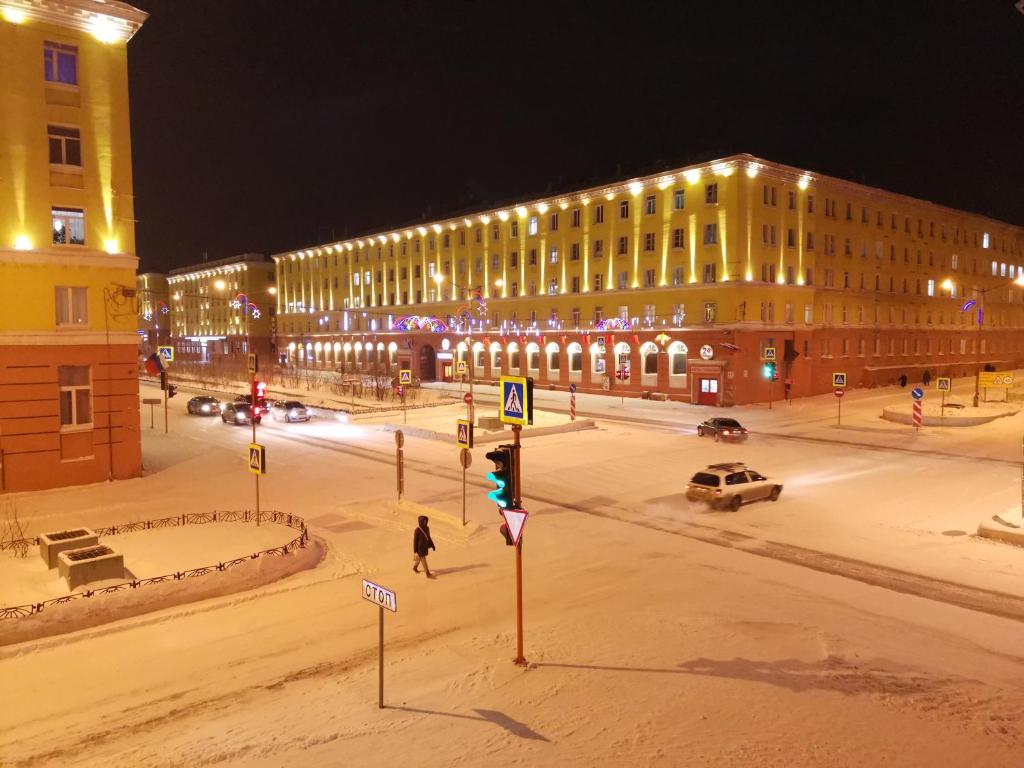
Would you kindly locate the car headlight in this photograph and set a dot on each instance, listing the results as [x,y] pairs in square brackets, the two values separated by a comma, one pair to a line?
[240,416]
[206,409]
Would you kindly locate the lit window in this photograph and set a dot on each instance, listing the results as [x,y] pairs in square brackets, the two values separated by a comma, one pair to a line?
[72,305]
[710,234]
[532,226]
[60,63]
[679,199]
[68,226]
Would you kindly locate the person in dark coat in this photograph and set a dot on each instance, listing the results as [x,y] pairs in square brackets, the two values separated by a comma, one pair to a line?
[421,544]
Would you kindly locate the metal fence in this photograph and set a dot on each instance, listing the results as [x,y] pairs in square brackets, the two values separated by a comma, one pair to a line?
[198,518]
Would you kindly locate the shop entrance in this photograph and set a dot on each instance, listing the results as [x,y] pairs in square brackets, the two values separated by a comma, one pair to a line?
[708,392]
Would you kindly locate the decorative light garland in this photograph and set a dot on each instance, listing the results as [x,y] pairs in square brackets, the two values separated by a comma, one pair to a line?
[419,323]
[614,324]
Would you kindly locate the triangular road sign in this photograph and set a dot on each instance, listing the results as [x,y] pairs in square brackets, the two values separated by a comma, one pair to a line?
[515,519]
[463,433]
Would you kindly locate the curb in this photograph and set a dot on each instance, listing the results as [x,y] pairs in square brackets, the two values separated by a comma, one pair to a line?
[993,530]
[891,414]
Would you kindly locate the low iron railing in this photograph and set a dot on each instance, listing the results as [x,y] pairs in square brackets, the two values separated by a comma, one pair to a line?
[197,518]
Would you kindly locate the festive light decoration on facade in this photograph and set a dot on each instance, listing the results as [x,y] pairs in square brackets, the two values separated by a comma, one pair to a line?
[614,324]
[419,323]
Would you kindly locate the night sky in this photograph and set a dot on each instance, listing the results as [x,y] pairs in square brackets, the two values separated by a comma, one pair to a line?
[262,126]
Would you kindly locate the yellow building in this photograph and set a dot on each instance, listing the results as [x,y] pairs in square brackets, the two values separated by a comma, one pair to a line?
[68,368]
[223,308]
[681,283]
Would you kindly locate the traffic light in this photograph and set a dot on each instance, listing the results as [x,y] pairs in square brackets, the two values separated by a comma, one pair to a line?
[171,391]
[503,475]
[768,371]
[259,394]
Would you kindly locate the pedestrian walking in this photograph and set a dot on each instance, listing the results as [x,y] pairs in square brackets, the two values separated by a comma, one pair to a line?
[421,544]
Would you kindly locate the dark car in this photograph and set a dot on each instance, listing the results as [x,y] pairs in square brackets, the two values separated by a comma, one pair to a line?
[289,410]
[243,399]
[236,413]
[722,429]
[204,405]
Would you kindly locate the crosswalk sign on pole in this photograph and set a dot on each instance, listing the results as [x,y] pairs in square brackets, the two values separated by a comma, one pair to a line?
[839,379]
[942,383]
[460,368]
[167,353]
[257,459]
[514,400]
[405,377]
[464,433]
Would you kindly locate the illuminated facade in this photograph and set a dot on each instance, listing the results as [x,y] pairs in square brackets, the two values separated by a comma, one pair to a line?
[223,308]
[68,343]
[674,283]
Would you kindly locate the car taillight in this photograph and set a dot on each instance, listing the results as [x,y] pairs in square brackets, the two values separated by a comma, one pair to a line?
[726,432]
[718,491]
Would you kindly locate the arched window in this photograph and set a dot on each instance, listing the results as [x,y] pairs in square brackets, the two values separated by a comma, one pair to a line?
[513,357]
[392,354]
[649,356]
[575,354]
[478,356]
[623,369]
[532,357]
[554,358]
[359,352]
[495,356]
[677,364]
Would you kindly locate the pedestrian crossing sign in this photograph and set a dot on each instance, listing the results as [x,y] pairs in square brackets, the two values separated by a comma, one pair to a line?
[464,433]
[405,377]
[838,379]
[167,353]
[257,459]
[514,400]
[769,353]
[460,368]
[942,383]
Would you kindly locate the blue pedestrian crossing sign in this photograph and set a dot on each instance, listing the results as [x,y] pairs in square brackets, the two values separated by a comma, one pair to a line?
[514,400]
[838,379]
[167,353]
[257,459]
[464,433]
[405,377]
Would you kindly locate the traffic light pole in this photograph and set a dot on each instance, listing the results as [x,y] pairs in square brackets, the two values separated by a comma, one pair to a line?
[252,418]
[518,504]
[166,385]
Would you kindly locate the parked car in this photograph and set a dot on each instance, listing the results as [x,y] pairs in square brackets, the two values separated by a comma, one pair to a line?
[722,429]
[203,405]
[731,485]
[289,410]
[236,413]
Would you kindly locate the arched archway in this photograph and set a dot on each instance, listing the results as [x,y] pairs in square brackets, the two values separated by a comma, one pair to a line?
[428,363]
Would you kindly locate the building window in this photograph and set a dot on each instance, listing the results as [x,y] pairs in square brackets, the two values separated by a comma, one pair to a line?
[576,217]
[598,249]
[649,278]
[650,206]
[598,282]
[553,255]
[552,287]
[72,305]
[677,276]
[598,214]
[710,234]
[75,395]
[678,238]
[710,310]
[65,146]
[623,245]
[553,224]
[575,285]
[624,209]
[711,194]
[679,199]
[791,200]
[810,203]
[709,273]
[649,241]
[791,238]
[68,226]
[495,232]
[531,227]
[575,354]
[60,63]
[931,287]
[623,280]
[533,257]
[513,230]
[574,252]
[810,241]
[808,314]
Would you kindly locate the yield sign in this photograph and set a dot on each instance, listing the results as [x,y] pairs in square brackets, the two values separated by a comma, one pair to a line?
[515,519]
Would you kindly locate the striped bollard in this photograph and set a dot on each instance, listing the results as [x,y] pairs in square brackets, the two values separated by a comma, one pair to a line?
[572,402]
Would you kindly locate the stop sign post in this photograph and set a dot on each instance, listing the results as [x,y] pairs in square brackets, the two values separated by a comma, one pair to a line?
[468,400]
[839,391]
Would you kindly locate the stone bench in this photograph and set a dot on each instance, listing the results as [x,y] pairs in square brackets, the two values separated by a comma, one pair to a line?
[81,566]
[53,543]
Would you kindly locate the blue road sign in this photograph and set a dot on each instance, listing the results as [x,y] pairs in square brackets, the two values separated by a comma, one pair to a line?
[572,388]
[917,393]
[514,400]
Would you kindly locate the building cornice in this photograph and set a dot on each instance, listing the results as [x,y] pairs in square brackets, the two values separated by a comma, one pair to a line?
[72,258]
[109,21]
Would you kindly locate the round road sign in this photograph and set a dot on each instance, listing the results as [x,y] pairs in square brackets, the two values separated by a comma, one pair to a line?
[917,393]
[467,399]
[839,392]
[465,458]
[399,438]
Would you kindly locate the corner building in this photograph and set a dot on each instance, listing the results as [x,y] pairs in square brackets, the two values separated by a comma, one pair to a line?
[69,394]
[674,284]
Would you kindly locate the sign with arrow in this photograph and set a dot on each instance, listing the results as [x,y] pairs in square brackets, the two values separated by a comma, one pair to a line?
[515,519]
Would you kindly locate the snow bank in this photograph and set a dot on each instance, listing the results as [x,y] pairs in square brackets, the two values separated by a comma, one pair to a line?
[101,609]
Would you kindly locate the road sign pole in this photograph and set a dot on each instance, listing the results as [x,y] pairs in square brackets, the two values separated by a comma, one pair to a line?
[399,468]
[839,411]
[770,382]
[380,657]
[463,495]
[165,407]
[518,502]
